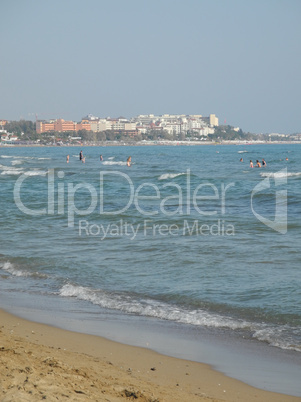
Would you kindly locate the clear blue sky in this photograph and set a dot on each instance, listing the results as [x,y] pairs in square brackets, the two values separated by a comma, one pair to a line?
[238,59]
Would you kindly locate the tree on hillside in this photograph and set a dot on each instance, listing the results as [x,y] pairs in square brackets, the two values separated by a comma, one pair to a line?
[27,127]
[86,135]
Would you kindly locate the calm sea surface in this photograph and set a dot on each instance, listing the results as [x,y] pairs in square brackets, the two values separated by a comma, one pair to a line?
[187,234]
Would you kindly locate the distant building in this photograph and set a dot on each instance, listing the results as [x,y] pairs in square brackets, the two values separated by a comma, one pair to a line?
[61,125]
[99,125]
[171,123]
[9,138]
[213,120]
[118,124]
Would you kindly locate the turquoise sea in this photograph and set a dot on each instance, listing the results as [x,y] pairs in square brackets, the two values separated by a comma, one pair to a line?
[188,237]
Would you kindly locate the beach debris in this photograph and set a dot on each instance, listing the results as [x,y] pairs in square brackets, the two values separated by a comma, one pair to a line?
[4,349]
[130,394]
[79,391]
[50,361]
[153,368]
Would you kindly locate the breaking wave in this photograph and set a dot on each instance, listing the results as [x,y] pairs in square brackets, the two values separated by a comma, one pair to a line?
[120,163]
[10,170]
[280,174]
[197,317]
[166,176]
[149,307]
[10,268]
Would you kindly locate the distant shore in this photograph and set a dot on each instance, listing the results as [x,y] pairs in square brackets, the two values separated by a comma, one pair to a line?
[151,143]
[44,362]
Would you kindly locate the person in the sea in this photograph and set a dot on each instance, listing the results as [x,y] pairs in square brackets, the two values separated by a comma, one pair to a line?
[129,161]
[241,160]
[258,164]
[251,164]
[101,158]
[81,155]
[67,159]
[83,159]
[264,163]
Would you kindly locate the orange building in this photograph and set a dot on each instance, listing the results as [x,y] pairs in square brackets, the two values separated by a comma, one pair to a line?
[83,125]
[44,126]
[61,125]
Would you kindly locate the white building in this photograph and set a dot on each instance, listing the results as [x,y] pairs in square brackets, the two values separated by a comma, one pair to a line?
[172,123]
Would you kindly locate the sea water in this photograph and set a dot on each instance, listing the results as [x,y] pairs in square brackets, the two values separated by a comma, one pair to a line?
[187,237]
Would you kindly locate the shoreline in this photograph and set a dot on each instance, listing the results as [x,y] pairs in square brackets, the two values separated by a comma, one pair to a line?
[142,144]
[248,355]
[249,361]
[43,361]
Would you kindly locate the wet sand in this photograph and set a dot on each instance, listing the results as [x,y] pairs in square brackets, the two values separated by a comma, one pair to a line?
[40,362]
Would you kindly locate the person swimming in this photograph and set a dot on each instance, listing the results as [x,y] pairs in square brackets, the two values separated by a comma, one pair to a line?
[81,155]
[241,160]
[129,161]
[67,159]
[101,158]
[264,162]
[251,164]
[258,164]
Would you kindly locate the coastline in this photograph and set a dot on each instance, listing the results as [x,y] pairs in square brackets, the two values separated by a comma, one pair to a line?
[43,361]
[148,143]
[257,363]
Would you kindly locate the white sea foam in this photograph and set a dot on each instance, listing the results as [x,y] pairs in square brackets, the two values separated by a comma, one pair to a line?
[16,162]
[9,267]
[166,176]
[10,170]
[10,173]
[3,167]
[33,157]
[120,163]
[18,171]
[280,174]
[242,152]
[5,156]
[150,308]
[35,173]
[276,337]
[111,158]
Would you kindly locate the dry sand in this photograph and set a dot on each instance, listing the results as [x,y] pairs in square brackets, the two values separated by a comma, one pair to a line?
[40,362]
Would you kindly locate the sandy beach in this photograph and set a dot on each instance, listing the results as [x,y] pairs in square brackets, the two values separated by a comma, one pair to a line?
[40,362]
